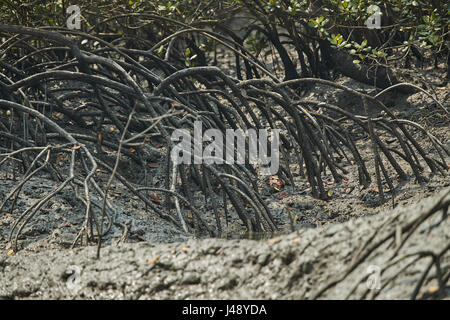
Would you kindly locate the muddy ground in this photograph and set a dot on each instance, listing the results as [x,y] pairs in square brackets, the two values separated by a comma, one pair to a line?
[294,266]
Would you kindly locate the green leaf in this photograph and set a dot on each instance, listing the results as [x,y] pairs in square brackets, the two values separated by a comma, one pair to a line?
[160,50]
[313,23]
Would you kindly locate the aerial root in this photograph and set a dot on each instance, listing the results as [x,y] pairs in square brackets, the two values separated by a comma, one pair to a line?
[127,102]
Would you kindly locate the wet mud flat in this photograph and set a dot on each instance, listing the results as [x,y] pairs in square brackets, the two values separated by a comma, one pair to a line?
[384,256]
